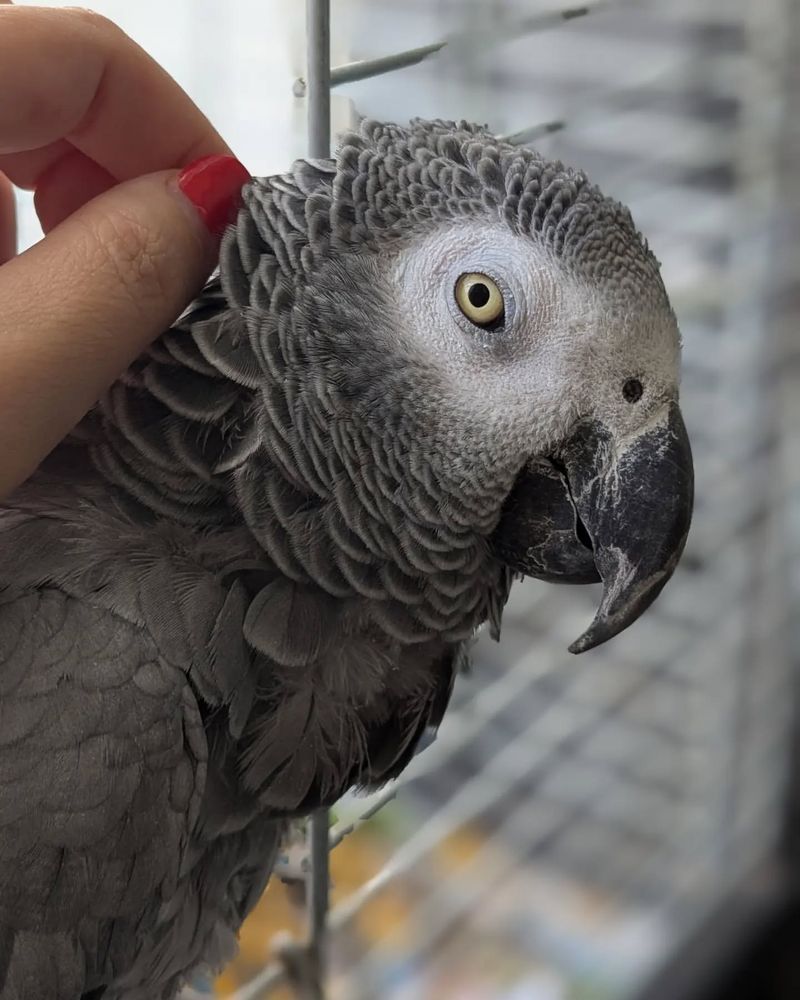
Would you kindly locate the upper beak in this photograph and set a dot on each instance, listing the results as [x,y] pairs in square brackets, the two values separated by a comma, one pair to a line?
[616,513]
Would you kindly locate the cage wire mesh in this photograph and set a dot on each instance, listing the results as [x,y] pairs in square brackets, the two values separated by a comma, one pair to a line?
[614,799]
[576,818]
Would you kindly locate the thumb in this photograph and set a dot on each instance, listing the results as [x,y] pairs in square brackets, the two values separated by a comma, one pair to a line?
[79,306]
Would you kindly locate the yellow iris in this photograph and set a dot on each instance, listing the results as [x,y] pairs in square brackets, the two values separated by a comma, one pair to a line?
[479,298]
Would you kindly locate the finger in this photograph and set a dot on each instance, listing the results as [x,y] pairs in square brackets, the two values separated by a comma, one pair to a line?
[80,305]
[76,76]
[69,184]
[8,219]
[24,169]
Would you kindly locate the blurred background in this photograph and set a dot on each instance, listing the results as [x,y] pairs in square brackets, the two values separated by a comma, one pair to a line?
[618,826]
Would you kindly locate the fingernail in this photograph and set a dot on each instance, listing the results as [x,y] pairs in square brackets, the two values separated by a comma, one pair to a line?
[213,185]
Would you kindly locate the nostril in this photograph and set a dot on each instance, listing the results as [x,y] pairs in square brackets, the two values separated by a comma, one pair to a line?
[632,390]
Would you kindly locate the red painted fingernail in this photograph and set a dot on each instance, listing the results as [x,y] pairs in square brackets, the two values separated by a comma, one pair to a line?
[213,185]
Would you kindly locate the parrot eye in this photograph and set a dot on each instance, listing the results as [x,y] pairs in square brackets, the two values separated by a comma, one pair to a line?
[479,298]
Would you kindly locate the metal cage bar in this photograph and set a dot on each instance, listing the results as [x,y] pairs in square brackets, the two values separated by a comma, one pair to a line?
[318,32]
[318,55]
[365,69]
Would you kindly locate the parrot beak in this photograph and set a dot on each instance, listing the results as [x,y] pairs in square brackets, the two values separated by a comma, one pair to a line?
[600,511]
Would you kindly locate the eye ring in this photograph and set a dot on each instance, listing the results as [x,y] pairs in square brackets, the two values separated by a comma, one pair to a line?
[479,299]
[632,390]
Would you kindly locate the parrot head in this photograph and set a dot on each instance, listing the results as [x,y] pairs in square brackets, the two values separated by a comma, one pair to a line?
[469,370]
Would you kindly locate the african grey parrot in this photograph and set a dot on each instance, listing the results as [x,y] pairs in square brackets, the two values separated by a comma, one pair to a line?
[245,583]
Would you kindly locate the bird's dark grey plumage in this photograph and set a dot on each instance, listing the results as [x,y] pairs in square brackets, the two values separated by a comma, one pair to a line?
[247,580]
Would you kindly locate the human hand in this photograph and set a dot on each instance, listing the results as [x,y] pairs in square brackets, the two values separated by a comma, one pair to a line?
[100,133]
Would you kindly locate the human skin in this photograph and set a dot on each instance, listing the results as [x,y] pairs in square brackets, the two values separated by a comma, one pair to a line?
[110,145]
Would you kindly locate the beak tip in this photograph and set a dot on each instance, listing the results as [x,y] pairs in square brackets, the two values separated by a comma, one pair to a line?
[594,636]
[614,616]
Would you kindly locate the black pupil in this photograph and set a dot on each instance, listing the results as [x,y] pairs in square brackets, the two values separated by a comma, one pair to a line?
[478,295]
[632,390]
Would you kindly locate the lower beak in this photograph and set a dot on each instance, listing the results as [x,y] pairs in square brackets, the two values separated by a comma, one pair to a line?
[540,533]
[600,512]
